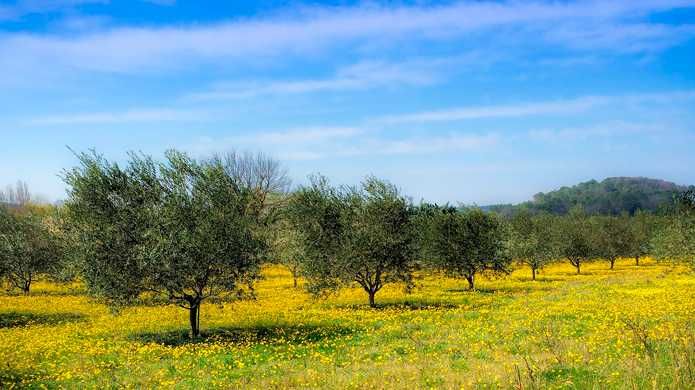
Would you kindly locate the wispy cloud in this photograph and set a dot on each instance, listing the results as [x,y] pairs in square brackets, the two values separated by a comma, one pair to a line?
[601,130]
[343,142]
[128,116]
[359,76]
[612,26]
[80,23]
[453,142]
[306,143]
[568,106]
[299,136]
[628,38]
[310,133]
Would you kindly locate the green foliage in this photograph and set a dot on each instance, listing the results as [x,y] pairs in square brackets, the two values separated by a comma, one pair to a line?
[676,239]
[534,239]
[576,238]
[468,242]
[181,229]
[287,248]
[27,247]
[611,196]
[315,213]
[364,235]
[643,225]
[108,212]
[425,219]
[614,237]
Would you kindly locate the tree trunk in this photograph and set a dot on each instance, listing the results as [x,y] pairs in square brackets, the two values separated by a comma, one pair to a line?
[533,273]
[471,282]
[637,260]
[579,270]
[26,287]
[612,263]
[371,298]
[194,317]
[295,281]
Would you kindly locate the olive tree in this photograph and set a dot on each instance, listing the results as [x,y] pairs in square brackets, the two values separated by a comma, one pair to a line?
[359,234]
[27,247]
[534,240]
[287,248]
[613,238]
[180,229]
[642,226]
[469,242]
[676,240]
[576,238]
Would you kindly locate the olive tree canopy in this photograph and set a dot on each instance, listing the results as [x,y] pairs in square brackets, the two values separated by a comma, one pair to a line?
[534,239]
[676,240]
[27,247]
[181,229]
[614,237]
[576,238]
[364,235]
[469,242]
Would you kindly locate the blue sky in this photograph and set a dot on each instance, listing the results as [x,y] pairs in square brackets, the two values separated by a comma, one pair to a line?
[460,101]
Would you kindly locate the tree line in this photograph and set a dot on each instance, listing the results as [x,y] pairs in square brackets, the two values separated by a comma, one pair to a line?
[612,196]
[185,231]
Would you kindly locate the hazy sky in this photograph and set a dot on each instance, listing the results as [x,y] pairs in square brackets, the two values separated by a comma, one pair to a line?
[473,101]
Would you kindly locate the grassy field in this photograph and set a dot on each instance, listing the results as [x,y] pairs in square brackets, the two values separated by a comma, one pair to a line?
[633,327]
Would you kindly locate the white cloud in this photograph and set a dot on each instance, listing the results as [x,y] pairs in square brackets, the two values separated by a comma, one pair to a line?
[306,143]
[316,143]
[371,146]
[77,23]
[299,136]
[568,106]
[359,76]
[129,116]
[610,25]
[454,142]
[311,133]
[630,38]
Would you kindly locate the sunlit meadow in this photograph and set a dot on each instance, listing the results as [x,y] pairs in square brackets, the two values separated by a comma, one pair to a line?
[631,327]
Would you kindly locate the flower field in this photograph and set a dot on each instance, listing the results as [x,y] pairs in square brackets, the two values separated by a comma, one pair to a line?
[633,327]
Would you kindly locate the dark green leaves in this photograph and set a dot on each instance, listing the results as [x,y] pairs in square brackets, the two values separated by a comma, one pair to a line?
[467,242]
[181,228]
[364,234]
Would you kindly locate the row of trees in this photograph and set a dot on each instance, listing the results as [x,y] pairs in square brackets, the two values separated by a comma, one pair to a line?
[539,239]
[186,231]
[462,242]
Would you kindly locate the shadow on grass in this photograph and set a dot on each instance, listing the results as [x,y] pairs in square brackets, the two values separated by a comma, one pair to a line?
[503,289]
[14,379]
[561,374]
[540,279]
[403,305]
[56,293]
[13,319]
[266,334]
[573,275]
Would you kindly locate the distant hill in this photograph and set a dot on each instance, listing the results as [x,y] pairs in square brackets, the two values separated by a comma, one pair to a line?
[613,195]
